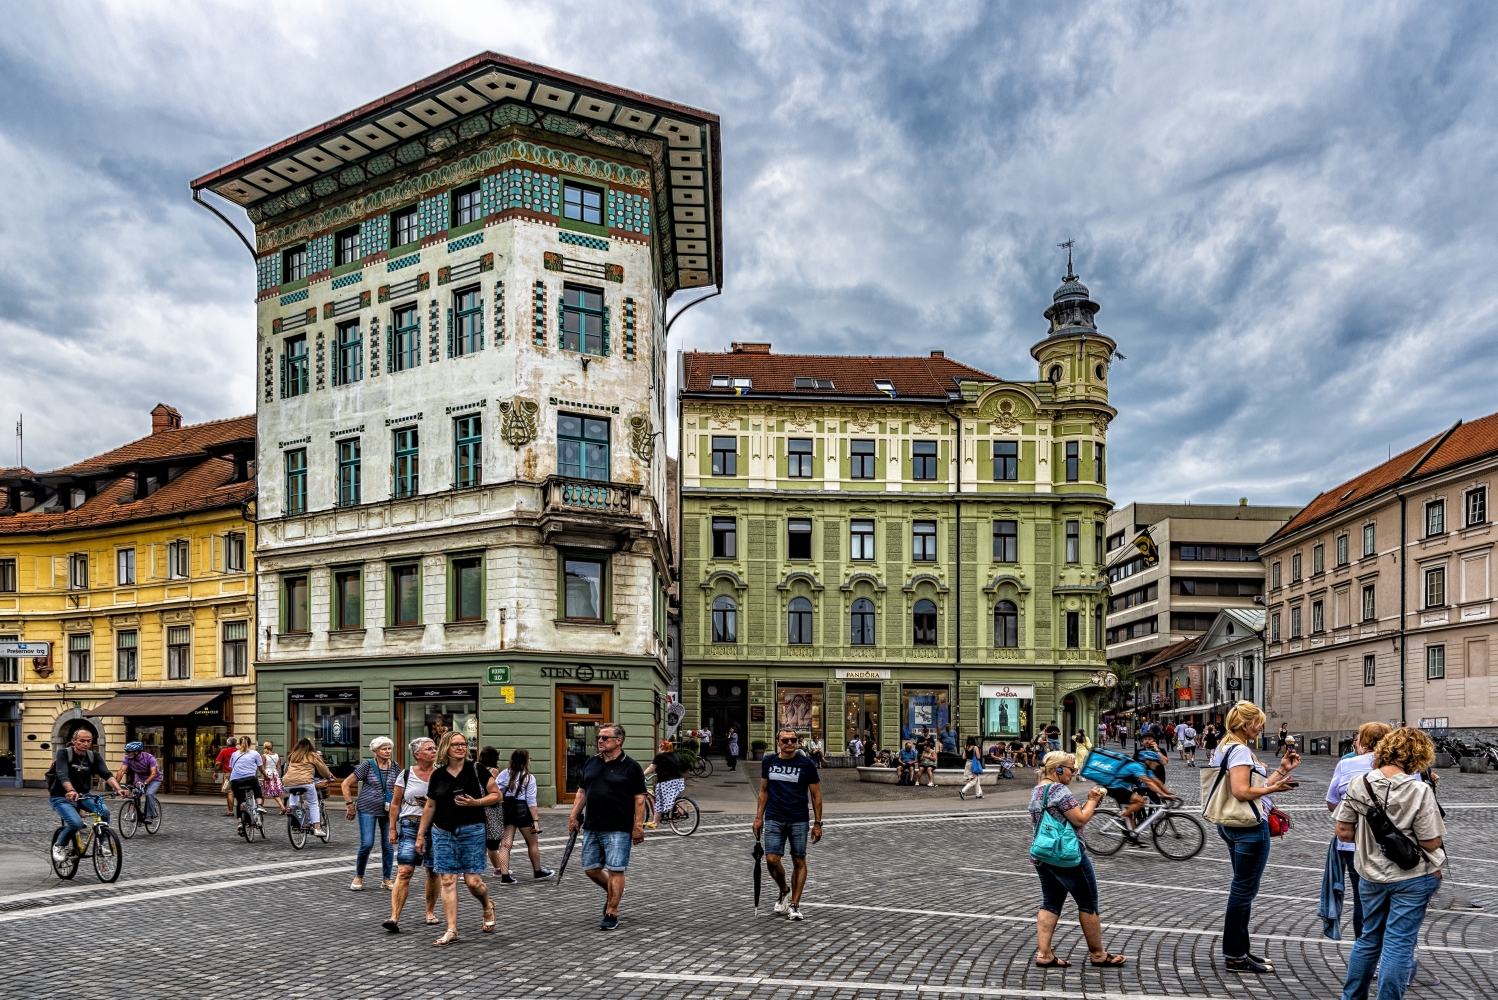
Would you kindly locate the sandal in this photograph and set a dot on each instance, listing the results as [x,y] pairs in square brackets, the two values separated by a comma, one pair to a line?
[1111,961]
[447,938]
[489,919]
[1054,963]
[391,926]
[432,919]
[357,885]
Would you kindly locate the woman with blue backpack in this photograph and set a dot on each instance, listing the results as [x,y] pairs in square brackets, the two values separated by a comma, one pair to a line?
[1061,861]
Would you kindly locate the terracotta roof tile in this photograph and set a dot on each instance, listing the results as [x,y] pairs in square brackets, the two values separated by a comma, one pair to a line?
[182,442]
[1172,651]
[775,374]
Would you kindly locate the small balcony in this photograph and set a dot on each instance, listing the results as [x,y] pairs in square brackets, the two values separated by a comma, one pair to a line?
[586,514]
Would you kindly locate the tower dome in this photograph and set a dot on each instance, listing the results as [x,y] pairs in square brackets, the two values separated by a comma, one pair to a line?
[1072,309]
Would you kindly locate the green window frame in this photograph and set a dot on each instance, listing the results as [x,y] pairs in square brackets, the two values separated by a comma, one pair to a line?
[584,588]
[405,338]
[581,203]
[582,447]
[350,347]
[348,599]
[468,205]
[295,367]
[584,320]
[296,481]
[468,321]
[295,612]
[406,443]
[349,473]
[347,247]
[403,227]
[403,594]
[468,450]
[465,587]
[294,264]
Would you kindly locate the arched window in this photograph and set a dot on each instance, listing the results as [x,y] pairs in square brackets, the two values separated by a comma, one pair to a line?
[725,620]
[863,622]
[1006,625]
[925,623]
[799,626]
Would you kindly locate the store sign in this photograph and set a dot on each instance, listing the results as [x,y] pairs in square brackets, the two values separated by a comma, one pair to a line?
[1440,722]
[499,673]
[756,713]
[1183,694]
[852,674]
[437,692]
[326,695]
[1235,683]
[583,672]
[36,650]
[1021,691]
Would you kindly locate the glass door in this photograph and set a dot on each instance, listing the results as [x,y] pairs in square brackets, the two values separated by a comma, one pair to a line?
[580,711]
[7,753]
[207,742]
[179,761]
[861,713]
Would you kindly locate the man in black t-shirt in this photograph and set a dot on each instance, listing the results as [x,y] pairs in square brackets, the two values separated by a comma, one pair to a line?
[787,780]
[68,783]
[612,798]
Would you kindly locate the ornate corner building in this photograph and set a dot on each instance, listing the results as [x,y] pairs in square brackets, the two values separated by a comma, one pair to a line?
[460,351]
[876,544]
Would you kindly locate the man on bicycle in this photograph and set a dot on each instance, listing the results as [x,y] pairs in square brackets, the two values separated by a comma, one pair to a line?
[1128,787]
[140,768]
[68,783]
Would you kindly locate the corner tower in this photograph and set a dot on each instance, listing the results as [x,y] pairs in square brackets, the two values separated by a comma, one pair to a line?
[1074,357]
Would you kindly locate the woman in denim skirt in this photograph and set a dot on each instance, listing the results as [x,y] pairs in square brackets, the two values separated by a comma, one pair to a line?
[456,796]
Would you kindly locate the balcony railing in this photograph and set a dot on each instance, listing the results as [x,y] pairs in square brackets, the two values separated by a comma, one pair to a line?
[591,514]
[592,497]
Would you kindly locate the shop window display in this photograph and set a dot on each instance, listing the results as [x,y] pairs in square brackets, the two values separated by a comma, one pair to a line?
[924,708]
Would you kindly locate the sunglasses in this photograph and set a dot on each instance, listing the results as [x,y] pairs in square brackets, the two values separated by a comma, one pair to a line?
[792,740]
[610,738]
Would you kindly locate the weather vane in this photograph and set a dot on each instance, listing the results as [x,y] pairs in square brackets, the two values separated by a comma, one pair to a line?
[1070,276]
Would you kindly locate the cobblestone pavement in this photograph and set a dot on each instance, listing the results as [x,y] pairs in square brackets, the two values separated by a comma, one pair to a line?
[899,903]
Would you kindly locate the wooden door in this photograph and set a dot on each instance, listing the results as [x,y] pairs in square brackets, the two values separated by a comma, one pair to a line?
[580,711]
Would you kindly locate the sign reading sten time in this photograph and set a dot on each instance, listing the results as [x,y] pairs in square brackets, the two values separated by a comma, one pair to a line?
[583,672]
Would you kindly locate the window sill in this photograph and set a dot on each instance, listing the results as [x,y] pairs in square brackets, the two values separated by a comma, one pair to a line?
[292,286]
[359,630]
[294,638]
[585,623]
[467,625]
[353,265]
[582,227]
[400,251]
[465,229]
[404,629]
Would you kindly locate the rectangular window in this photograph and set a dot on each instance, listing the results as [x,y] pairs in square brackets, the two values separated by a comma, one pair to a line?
[297,366]
[349,473]
[1073,461]
[468,450]
[1435,587]
[1099,465]
[1005,461]
[349,366]
[582,319]
[8,575]
[124,568]
[1318,559]
[348,599]
[80,667]
[1370,611]
[1295,623]
[923,541]
[403,228]
[1073,630]
[1295,568]
[127,656]
[1318,617]
[1274,627]
[584,589]
[1219,553]
[1073,542]
[1435,663]
[1006,541]
[1342,552]
[294,611]
[1097,543]
[1274,575]
[346,246]
[234,552]
[296,481]
[407,444]
[798,458]
[1477,506]
[923,459]
[406,339]
[178,559]
[725,456]
[582,204]
[468,205]
[862,539]
[1435,518]
[236,649]
[584,445]
[861,459]
[468,322]
[1370,667]
[179,653]
[467,581]
[725,538]
[294,263]
[78,571]
[798,538]
[1370,540]
[405,595]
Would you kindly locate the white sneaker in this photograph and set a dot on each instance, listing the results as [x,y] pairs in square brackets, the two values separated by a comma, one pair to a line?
[781,905]
[795,912]
[59,854]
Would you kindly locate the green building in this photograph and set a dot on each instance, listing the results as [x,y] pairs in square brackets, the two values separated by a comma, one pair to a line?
[876,544]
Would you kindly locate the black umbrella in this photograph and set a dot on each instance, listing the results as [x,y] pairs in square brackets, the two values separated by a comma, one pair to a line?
[567,852]
[759,860]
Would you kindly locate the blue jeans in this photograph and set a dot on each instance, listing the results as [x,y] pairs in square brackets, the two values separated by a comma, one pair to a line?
[779,833]
[1249,849]
[1392,915]
[372,827]
[71,821]
[151,789]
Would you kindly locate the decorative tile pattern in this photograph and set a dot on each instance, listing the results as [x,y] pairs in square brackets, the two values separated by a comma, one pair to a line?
[374,233]
[348,279]
[629,329]
[518,187]
[400,262]
[606,349]
[267,271]
[432,215]
[473,240]
[449,330]
[322,361]
[299,296]
[270,374]
[374,346]
[512,114]
[499,312]
[629,212]
[320,253]
[433,316]
[613,272]
[486,262]
[579,240]
[553,261]
[540,314]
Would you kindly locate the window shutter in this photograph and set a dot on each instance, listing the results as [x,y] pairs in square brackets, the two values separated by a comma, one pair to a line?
[605,331]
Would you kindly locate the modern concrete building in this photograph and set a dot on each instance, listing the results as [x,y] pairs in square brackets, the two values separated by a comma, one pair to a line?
[461,346]
[1381,595]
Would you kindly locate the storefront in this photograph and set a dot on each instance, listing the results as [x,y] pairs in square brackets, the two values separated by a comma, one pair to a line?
[184,730]
[924,707]
[1007,711]
[329,717]
[725,702]
[800,705]
[10,743]
[435,710]
[861,702]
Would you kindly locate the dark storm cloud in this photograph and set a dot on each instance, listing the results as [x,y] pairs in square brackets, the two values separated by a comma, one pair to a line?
[1286,211]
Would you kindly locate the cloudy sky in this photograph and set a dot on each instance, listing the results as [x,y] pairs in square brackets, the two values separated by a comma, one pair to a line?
[1288,212]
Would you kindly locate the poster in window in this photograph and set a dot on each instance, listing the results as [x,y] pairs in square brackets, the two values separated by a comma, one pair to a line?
[800,708]
[924,708]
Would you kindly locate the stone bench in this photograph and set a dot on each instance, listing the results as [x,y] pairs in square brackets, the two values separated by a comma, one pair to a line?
[944,776]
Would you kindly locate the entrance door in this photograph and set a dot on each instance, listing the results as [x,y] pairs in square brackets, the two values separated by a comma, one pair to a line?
[1068,720]
[580,711]
[861,712]
[726,703]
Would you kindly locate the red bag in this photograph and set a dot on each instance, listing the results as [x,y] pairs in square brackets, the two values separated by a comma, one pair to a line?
[1279,822]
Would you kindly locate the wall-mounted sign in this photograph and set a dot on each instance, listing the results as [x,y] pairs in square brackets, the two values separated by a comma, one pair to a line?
[329,694]
[37,650]
[756,713]
[856,674]
[1020,691]
[1235,683]
[583,672]
[508,694]
[1442,722]
[499,673]
[437,692]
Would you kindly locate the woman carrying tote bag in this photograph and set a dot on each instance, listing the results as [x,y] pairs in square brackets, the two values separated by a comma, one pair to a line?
[1236,790]
[974,756]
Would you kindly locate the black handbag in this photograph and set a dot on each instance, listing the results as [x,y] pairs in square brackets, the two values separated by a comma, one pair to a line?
[1396,845]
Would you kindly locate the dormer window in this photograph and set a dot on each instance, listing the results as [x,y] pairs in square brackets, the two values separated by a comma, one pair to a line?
[885,386]
[803,382]
[721,381]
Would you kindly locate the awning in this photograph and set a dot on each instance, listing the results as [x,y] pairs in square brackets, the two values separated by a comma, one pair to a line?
[1193,709]
[136,705]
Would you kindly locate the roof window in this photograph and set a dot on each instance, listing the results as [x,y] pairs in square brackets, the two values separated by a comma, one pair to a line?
[721,382]
[803,382]
[885,386]
[743,383]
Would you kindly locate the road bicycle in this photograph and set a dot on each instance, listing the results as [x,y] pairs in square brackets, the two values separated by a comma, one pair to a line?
[134,809]
[298,819]
[97,841]
[700,767]
[251,816]
[684,814]
[1177,835]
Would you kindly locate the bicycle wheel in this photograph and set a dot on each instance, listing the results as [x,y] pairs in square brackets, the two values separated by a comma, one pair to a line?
[697,769]
[246,825]
[129,819]
[64,869]
[295,831]
[154,823]
[1104,834]
[685,817]
[707,767]
[109,853]
[1178,837]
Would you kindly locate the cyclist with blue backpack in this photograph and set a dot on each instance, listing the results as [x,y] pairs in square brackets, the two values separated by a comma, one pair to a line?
[1127,781]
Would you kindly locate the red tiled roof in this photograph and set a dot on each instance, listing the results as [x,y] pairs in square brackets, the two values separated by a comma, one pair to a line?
[1455,446]
[775,374]
[184,442]
[1172,651]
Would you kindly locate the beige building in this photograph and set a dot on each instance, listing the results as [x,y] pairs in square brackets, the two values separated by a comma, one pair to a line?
[1381,595]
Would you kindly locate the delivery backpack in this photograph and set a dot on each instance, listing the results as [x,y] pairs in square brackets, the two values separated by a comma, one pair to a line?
[1102,766]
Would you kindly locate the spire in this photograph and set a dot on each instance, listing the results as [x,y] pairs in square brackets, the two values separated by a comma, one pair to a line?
[1072,310]
[1070,274]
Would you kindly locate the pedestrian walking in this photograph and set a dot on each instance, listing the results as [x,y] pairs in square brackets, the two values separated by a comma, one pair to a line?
[669,783]
[973,765]
[1361,762]
[731,748]
[610,810]
[519,815]
[1282,740]
[407,806]
[1248,845]
[454,814]
[788,780]
[1061,861]
[1082,746]
[1396,826]
[271,787]
[1187,734]
[375,779]
[221,773]
[1052,736]
[305,768]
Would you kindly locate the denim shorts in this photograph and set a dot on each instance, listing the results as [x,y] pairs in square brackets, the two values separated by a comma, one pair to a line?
[606,849]
[405,844]
[460,852]
[778,831]
[1057,883]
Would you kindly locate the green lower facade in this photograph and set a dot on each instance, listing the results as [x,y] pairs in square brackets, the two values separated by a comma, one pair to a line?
[546,704]
[834,702]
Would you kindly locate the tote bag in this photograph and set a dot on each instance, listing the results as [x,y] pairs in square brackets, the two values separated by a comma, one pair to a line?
[1219,805]
[1056,841]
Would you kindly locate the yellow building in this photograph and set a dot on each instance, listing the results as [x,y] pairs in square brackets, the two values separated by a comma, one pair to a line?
[135,568]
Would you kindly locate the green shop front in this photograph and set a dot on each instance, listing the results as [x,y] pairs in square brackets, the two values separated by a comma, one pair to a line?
[548,706]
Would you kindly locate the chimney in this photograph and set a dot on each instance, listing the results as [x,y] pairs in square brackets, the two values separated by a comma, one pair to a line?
[1243,501]
[164,418]
[938,354]
[751,348]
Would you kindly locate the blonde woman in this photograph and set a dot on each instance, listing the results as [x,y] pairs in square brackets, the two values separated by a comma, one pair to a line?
[1248,847]
[454,815]
[1052,795]
[1083,747]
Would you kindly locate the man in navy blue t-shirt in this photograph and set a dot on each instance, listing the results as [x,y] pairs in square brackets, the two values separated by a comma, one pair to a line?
[787,780]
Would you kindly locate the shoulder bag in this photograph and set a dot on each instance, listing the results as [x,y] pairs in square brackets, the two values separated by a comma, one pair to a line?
[1056,842]
[374,766]
[977,759]
[1219,805]
[1396,845]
